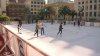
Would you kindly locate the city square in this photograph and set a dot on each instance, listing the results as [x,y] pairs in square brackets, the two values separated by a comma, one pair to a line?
[49,27]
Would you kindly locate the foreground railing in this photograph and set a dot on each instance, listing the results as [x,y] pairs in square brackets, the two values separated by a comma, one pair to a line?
[18,46]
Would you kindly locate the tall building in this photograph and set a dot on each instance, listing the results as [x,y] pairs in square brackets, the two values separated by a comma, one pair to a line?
[3,6]
[16,9]
[35,5]
[54,1]
[91,9]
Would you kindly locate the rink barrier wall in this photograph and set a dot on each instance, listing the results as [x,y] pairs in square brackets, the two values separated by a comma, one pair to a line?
[95,24]
[17,45]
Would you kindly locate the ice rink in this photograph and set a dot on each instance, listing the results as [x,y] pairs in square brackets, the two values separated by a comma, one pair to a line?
[83,40]
[75,41]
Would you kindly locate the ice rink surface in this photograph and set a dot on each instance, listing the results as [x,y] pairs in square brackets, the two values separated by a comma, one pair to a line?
[84,41]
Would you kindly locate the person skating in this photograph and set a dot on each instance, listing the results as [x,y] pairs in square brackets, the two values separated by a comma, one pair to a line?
[42,27]
[60,29]
[19,26]
[78,22]
[36,29]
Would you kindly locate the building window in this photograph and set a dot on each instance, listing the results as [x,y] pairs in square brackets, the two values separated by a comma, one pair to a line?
[95,7]
[31,5]
[31,12]
[44,3]
[83,2]
[31,9]
[86,1]
[34,12]
[86,7]
[90,7]
[90,13]
[35,9]
[90,1]
[41,2]
[99,14]
[95,14]
[86,14]
[32,2]
[34,5]
[99,6]
[38,2]
[79,3]
[95,1]
[38,6]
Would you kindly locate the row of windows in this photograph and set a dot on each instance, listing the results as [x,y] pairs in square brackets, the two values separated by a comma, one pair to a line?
[34,12]
[35,9]
[91,14]
[91,1]
[37,2]
[91,7]
[36,6]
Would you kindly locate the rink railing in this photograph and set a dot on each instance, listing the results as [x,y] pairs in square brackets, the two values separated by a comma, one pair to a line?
[83,23]
[17,45]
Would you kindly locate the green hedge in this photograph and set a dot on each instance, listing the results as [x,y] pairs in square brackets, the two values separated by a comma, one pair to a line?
[4,18]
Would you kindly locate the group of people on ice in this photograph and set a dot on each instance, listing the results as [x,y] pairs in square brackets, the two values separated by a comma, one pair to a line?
[77,22]
[40,26]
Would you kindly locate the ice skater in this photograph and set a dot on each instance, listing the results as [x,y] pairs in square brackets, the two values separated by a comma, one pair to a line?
[36,28]
[78,22]
[19,26]
[60,29]
[41,25]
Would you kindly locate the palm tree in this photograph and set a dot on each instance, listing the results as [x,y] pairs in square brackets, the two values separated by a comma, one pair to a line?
[63,11]
[47,12]
[72,13]
[41,13]
[44,12]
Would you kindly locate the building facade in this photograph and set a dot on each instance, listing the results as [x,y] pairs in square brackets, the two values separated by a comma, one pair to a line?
[91,9]
[16,10]
[58,5]
[3,6]
[35,6]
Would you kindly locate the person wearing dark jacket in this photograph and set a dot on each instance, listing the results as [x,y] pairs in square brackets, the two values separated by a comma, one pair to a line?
[78,22]
[60,29]
[19,25]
